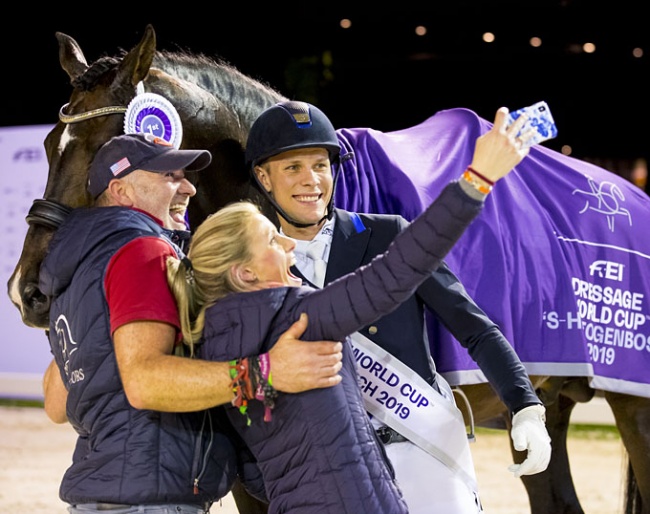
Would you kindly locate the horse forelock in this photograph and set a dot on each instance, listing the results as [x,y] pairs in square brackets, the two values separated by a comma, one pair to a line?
[94,72]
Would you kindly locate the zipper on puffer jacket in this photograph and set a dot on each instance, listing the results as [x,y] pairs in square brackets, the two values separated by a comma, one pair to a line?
[201,458]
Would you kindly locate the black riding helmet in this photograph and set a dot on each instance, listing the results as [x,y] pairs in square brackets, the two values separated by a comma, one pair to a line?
[288,126]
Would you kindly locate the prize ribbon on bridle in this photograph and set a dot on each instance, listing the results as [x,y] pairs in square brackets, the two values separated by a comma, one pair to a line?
[150,113]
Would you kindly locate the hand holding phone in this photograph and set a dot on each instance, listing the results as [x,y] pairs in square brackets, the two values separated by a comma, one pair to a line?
[540,121]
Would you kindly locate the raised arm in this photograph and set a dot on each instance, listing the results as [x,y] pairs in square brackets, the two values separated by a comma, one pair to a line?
[360,298]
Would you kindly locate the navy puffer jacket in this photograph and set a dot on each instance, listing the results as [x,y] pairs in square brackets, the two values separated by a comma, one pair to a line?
[319,453]
[122,455]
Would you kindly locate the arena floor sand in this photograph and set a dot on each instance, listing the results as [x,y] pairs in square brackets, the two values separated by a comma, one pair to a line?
[34,453]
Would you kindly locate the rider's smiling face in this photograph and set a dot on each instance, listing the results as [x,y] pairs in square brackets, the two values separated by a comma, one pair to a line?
[300,181]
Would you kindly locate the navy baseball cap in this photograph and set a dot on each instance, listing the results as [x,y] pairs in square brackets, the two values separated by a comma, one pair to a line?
[129,152]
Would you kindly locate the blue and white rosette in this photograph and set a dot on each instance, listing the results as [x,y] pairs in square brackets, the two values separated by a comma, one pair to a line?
[150,113]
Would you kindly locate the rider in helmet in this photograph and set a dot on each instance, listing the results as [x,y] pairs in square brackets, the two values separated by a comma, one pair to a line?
[294,157]
[289,126]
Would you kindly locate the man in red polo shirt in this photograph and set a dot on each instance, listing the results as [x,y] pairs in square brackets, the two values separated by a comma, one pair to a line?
[147,433]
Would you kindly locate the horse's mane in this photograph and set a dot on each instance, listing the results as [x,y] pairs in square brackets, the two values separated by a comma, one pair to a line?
[220,78]
[215,75]
[207,71]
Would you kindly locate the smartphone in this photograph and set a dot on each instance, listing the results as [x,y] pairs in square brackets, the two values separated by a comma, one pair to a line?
[539,118]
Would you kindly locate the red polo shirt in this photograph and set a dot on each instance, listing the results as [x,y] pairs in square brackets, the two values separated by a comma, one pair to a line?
[136,283]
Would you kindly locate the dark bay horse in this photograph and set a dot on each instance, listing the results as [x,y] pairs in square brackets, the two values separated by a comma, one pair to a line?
[217,105]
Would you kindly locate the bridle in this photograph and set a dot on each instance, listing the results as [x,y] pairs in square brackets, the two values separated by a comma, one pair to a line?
[50,213]
[82,116]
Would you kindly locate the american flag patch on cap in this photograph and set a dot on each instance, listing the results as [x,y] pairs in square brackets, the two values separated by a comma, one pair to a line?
[120,166]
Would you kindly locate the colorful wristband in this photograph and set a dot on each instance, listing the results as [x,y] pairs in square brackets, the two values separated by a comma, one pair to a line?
[481,188]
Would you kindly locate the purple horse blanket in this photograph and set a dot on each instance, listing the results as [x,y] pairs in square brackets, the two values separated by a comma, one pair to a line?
[558,258]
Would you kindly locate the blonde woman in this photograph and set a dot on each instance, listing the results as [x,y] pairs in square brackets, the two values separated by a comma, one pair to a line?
[317,450]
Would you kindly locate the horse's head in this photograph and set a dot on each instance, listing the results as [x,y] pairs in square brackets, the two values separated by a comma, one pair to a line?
[216,105]
[100,94]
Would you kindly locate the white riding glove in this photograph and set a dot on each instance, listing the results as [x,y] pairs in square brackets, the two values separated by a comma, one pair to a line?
[529,432]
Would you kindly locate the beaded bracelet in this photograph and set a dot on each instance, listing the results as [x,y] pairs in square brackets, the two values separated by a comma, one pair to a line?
[242,385]
[264,391]
[251,380]
[479,186]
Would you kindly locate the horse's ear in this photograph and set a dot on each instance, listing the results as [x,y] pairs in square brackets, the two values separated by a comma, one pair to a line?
[135,65]
[71,57]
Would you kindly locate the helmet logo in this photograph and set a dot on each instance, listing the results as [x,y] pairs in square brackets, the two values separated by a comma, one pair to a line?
[299,111]
[301,117]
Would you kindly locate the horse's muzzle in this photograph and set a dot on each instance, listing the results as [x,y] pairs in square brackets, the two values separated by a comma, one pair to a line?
[35,310]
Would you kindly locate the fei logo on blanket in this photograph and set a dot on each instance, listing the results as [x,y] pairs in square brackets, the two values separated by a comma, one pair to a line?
[607,269]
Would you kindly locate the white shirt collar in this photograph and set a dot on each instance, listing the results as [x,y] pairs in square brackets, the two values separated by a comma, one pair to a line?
[304,263]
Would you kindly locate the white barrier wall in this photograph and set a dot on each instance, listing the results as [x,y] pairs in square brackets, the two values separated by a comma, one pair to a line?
[24,351]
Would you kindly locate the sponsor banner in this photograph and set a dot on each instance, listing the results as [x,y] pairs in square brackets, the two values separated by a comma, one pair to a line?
[25,351]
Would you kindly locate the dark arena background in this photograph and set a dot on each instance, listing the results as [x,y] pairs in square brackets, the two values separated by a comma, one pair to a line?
[384,66]
[381,67]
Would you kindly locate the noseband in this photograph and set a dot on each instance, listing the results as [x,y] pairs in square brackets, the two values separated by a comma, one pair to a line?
[48,213]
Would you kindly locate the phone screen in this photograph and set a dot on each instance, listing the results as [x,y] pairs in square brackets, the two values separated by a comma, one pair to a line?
[539,118]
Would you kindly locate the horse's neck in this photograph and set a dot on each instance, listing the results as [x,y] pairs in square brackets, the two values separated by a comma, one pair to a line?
[218,85]
[191,101]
